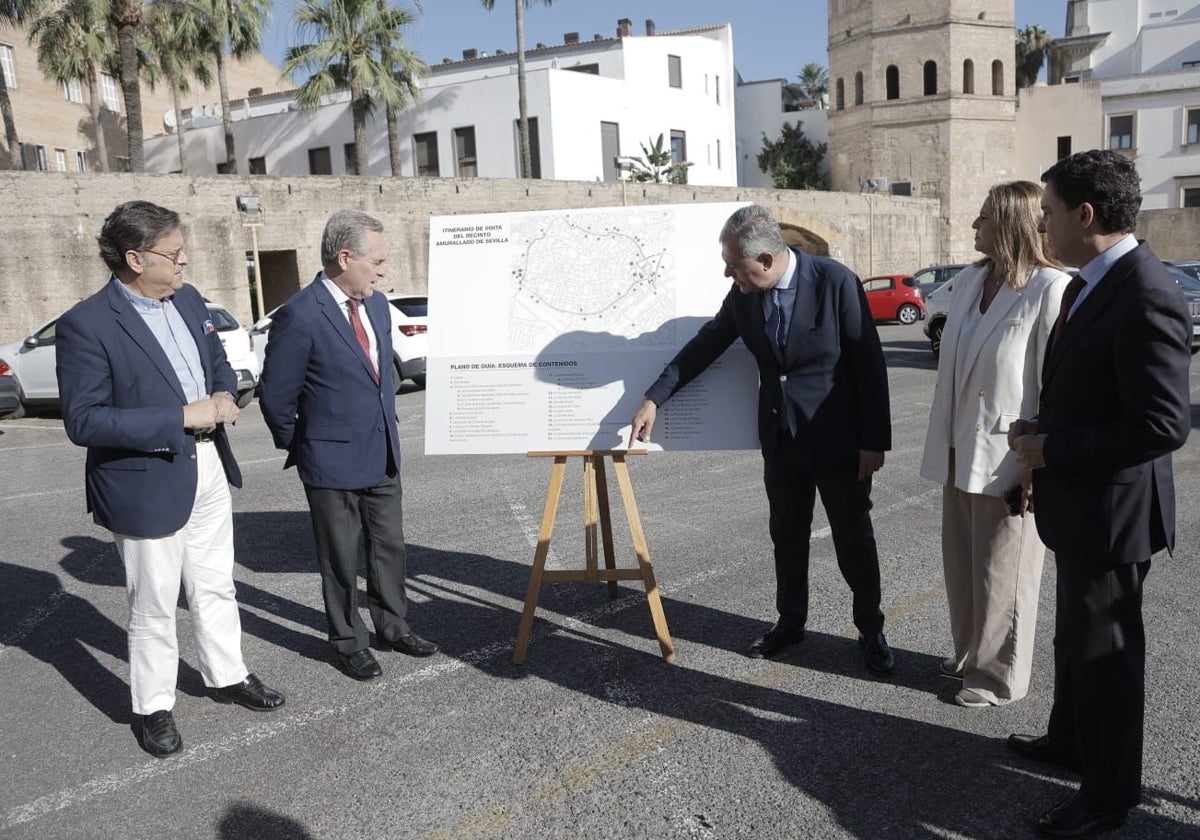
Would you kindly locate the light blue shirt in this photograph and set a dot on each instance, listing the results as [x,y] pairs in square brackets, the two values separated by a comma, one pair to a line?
[1095,268]
[176,340]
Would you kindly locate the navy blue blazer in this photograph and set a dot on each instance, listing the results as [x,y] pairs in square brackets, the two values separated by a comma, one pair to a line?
[833,370]
[1114,404]
[318,396]
[122,400]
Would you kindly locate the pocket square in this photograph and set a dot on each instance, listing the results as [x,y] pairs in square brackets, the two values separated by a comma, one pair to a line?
[208,327]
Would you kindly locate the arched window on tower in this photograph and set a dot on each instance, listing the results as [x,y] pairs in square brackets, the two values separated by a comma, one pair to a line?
[840,94]
[968,76]
[892,77]
[997,78]
[858,88]
[930,78]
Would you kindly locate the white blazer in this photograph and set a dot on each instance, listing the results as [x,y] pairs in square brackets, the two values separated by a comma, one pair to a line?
[998,381]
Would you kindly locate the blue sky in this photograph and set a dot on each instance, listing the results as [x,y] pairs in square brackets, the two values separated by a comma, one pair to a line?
[767,44]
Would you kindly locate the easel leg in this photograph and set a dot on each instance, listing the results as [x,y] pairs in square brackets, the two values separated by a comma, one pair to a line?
[539,557]
[610,557]
[643,557]
[589,514]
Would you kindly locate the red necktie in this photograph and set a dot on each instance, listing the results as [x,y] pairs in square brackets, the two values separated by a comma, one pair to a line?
[1068,300]
[360,332]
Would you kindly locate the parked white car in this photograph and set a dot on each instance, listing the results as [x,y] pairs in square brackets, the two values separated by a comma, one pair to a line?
[410,322]
[32,361]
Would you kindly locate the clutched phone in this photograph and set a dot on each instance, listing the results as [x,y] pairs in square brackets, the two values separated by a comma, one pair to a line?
[1012,500]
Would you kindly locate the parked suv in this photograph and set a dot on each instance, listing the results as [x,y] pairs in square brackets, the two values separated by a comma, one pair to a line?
[929,280]
[937,304]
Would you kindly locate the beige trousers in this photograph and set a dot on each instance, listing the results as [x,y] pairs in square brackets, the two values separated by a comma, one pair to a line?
[993,566]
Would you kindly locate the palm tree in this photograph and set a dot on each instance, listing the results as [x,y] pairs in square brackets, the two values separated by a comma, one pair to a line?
[237,24]
[182,52]
[1032,43]
[12,13]
[814,82]
[522,105]
[73,42]
[126,16]
[406,67]
[344,51]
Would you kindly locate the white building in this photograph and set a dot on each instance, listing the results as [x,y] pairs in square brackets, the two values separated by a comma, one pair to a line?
[1146,56]
[762,108]
[589,103]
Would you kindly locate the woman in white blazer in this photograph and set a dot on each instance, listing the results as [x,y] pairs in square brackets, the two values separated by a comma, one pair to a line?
[1002,310]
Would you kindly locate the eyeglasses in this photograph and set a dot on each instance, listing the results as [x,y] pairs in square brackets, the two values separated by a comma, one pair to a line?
[174,258]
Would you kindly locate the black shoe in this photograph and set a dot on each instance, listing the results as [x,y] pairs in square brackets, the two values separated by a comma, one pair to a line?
[160,737]
[1040,748]
[878,655]
[784,634]
[1076,817]
[409,643]
[250,693]
[361,664]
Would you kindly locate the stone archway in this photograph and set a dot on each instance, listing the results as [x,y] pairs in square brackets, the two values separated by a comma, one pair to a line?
[804,239]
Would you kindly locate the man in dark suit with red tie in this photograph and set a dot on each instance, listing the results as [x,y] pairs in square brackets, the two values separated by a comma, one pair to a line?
[329,400]
[1114,404]
[824,420]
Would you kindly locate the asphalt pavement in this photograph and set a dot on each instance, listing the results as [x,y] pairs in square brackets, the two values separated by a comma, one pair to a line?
[594,736]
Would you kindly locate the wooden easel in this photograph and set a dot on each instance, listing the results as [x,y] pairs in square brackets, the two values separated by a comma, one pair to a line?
[595,500]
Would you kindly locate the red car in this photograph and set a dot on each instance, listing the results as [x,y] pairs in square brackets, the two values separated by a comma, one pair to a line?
[895,297]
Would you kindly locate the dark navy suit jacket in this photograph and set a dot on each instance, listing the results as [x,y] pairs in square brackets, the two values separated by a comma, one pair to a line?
[1115,403]
[122,400]
[833,371]
[318,397]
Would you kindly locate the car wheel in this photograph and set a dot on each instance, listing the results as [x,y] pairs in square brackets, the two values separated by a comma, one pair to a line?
[244,398]
[419,381]
[935,337]
[397,375]
[908,314]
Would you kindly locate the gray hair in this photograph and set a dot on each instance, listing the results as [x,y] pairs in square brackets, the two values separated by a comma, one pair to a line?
[133,226]
[347,229]
[754,231]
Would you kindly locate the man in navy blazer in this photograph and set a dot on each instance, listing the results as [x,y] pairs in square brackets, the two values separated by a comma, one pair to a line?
[824,420]
[1114,404]
[329,400]
[145,386]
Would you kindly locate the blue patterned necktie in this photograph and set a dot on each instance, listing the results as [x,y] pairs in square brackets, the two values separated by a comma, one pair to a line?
[775,327]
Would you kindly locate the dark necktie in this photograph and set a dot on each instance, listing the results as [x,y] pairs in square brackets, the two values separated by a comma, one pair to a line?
[775,326]
[1068,300]
[360,333]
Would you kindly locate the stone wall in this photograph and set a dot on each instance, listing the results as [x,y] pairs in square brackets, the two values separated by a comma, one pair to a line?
[1173,234]
[49,224]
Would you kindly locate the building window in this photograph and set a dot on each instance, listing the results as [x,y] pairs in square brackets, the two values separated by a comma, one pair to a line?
[319,161]
[901,188]
[930,78]
[425,154]
[858,88]
[839,94]
[39,153]
[256,166]
[1120,132]
[678,146]
[968,76]
[674,71]
[1191,197]
[997,78]
[718,154]
[81,161]
[1193,126]
[593,69]
[535,147]
[73,90]
[465,163]
[610,150]
[111,92]
[60,160]
[351,164]
[717,85]
[6,64]
[122,164]
[892,78]
[1064,147]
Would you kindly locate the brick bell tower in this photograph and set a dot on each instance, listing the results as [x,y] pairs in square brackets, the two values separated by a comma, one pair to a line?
[923,102]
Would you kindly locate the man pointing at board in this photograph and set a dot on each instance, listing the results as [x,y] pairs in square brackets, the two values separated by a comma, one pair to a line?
[824,421]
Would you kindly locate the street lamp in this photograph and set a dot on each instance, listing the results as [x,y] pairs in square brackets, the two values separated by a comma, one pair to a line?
[250,206]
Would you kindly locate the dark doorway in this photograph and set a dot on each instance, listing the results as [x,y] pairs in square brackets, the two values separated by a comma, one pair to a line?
[280,278]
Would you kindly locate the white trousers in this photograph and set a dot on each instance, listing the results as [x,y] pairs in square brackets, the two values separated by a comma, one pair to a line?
[200,554]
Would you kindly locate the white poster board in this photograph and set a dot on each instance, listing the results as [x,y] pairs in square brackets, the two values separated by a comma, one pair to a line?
[546,328]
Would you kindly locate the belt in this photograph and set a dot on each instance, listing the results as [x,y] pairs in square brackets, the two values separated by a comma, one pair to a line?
[205,436]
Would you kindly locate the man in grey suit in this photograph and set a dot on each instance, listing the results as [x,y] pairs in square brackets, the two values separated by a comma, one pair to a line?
[1114,405]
